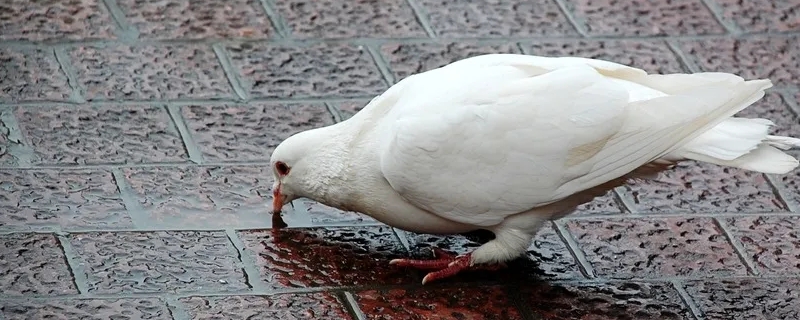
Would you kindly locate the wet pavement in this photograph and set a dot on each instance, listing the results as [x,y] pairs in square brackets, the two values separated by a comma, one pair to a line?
[135,136]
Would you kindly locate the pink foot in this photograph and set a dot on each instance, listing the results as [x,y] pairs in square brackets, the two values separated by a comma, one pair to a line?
[445,264]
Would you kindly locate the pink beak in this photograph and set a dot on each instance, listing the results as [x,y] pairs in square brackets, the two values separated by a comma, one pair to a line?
[277,200]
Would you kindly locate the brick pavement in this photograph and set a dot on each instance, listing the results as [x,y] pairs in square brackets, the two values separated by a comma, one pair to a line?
[134,136]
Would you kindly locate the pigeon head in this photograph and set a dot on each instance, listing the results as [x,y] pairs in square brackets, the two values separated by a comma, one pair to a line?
[303,165]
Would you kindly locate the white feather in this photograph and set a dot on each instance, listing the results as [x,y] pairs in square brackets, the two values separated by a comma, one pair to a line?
[505,142]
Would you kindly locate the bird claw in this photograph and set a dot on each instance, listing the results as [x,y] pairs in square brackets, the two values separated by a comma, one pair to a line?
[445,265]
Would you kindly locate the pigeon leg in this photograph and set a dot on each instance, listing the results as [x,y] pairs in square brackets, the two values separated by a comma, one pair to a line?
[508,244]
[445,265]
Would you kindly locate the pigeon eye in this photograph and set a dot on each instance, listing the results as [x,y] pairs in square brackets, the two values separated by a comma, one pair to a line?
[282,168]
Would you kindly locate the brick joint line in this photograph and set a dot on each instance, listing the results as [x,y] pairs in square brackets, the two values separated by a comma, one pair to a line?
[687,299]
[20,148]
[625,199]
[186,137]
[738,248]
[76,89]
[719,15]
[382,65]
[351,305]
[135,211]
[574,249]
[577,22]
[277,20]
[234,79]
[247,260]
[79,277]
[176,308]
[334,111]
[125,31]
[686,62]
[782,193]
[422,18]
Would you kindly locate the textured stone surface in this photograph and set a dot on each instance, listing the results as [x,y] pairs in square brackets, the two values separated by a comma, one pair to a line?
[762,16]
[66,198]
[438,304]
[113,134]
[251,132]
[215,197]
[774,108]
[348,108]
[605,301]
[464,18]
[326,257]
[54,20]
[747,298]
[693,187]
[644,17]
[628,248]
[162,261]
[603,204]
[346,19]
[318,70]
[408,59]
[775,58]
[773,243]
[150,72]
[289,307]
[31,75]
[547,256]
[321,214]
[85,309]
[197,19]
[6,141]
[33,264]
[651,56]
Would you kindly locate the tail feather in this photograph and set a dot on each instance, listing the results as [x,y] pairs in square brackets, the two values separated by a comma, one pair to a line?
[743,143]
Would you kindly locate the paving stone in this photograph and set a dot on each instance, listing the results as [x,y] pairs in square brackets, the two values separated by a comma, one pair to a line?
[408,59]
[349,108]
[197,19]
[250,132]
[480,303]
[651,56]
[150,72]
[85,309]
[773,243]
[652,248]
[605,204]
[349,19]
[103,134]
[775,58]
[321,215]
[747,298]
[289,307]
[547,256]
[71,199]
[163,261]
[601,301]
[318,70]
[337,256]
[644,18]
[33,264]
[205,197]
[762,16]
[31,75]
[694,187]
[54,20]
[6,142]
[496,18]
[774,108]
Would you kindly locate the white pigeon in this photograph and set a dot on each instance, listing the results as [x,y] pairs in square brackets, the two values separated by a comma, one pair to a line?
[506,142]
